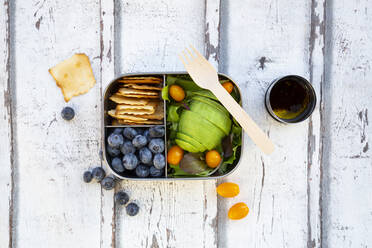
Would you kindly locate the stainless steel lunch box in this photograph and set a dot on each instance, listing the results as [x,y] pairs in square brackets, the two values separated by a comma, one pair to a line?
[107,105]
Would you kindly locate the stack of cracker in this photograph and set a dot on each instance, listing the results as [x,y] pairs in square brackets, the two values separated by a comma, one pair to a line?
[138,102]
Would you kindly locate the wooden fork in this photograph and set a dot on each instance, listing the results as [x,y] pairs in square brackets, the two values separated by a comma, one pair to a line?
[204,75]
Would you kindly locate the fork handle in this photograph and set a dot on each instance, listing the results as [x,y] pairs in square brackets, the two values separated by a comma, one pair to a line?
[249,126]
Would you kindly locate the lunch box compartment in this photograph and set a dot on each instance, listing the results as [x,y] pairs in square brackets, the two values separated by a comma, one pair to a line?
[113,87]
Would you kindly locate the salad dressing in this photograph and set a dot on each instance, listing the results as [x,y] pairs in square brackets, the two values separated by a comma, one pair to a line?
[289,99]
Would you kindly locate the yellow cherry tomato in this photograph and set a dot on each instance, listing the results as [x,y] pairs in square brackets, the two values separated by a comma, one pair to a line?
[228,86]
[228,189]
[212,158]
[238,211]
[176,92]
[175,154]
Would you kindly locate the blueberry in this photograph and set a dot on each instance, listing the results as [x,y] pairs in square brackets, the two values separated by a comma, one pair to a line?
[113,152]
[147,135]
[108,183]
[157,131]
[159,161]
[68,113]
[145,155]
[87,176]
[127,148]
[117,164]
[140,130]
[118,130]
[156,145]
[98,173]
[130,161]
[121,197]
[139,141]
[142,171]
[115,140]
[132,209]
[129,132]
[154,172]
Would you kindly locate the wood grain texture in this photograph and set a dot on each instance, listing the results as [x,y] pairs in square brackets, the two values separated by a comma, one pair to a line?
[6,133]
[348,163]
[179,213]
[212,31]
[316,125]
[261,41]
[54,207]
[107,73]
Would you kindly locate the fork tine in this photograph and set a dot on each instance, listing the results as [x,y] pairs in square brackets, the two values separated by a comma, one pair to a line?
[191,55]
[187,58]
[196,51]
[182,60]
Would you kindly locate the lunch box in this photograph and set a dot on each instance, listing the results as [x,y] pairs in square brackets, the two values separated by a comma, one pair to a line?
[112,87]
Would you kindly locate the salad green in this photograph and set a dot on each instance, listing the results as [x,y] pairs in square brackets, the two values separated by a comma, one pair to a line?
[197,124]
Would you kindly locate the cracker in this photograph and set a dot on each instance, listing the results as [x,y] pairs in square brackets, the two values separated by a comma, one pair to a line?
[74,76]
[142,86]
[143,78]
[134,112]
[112,113]
[141,96]
[149,122]
[117,98]
[158,115]
[126,91]
[150,106]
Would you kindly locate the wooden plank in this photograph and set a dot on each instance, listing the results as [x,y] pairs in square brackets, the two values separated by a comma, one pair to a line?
[212,53]
[316,124]
[6,133]
[261,41]
[347,156]
[212,31]
[54,207]
[107,72]
[178,213]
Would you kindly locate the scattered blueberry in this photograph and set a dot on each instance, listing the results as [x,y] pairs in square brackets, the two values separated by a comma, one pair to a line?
[130,161]
[113,152]
[154,172]
[98,173]
[145,155]
[132,209]
[121,197]
[118,130]
[108,183]
[127,148]
[87,176]
[139,141]
[159,161]
[142,171]
[156,145]
[129,132]
[115,140]
[117,164]
[68,113]
[156,132]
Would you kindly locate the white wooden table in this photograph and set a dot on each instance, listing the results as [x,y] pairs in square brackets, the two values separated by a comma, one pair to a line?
[314,191]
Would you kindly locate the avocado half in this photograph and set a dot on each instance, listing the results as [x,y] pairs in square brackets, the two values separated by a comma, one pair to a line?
[203,126]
